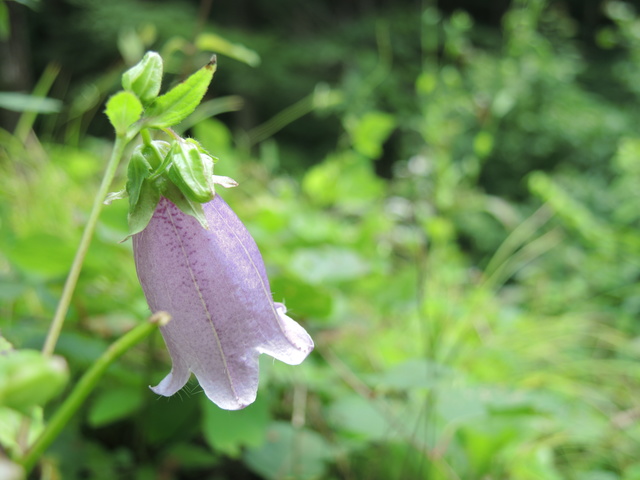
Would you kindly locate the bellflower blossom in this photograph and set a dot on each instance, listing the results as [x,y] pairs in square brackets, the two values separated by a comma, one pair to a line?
[214,284]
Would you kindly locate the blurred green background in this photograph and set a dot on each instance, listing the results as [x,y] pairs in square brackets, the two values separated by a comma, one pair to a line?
[446,195]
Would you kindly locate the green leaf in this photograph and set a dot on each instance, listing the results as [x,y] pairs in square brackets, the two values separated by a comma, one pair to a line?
[359,416]
[123,110]
[370,132]
[229,431]
[5,26]
[346,179]
[413,374]
[189,456]
[290,453]
[169,420]
[41,254]
[461,404]
[309,300]
[28,378]
[22,102]
[483,144]
[191,172]
[215,43]
[321,265]
[144,78]
[113,405]
[179,102]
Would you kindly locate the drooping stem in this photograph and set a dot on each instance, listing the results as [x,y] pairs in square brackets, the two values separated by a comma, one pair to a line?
[72,279]
[86,384]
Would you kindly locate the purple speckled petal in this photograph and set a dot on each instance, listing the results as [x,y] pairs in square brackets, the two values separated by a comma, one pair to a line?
[214,285]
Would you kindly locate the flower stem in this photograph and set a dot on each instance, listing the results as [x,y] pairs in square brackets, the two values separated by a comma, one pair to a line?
[72,279]
[86,384]
[146,136]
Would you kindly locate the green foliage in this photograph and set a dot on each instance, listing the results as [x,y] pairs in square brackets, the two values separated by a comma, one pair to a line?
[123,110]
[144,79]
[113,405]
[289,453]
[228,433]
[179,102]
[475,312]
[29,379]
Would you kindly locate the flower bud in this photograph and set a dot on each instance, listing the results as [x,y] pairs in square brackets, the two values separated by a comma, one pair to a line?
[144,78]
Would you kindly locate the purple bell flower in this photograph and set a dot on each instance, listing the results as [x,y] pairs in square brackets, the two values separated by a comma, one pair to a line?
[214,284]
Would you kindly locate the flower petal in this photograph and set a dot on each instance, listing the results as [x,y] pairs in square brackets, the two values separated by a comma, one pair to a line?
[214,284]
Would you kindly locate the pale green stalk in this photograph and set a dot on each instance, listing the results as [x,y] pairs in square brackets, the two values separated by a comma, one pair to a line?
[86,384]
[41,89]
[72,279]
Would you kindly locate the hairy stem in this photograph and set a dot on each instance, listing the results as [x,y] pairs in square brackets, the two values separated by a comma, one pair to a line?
[72,279]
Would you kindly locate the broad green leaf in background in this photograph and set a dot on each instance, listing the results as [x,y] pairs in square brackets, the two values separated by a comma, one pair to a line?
[359,416]
[345,178]
[112,405]
[369,132]
[414,373]
[290,453]
[327,264]
[11,288]
[189,456]
[167,421]
[461,404]
[229,431]
[302,298]
[41,254]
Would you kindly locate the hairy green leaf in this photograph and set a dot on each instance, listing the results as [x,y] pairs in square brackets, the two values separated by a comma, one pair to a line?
[123,109]
[179,102]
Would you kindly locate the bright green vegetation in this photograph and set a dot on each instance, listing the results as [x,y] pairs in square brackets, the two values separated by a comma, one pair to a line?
[454,217]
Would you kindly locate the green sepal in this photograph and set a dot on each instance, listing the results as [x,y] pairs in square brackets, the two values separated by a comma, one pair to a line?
[179,102]
[123,110]
[28,378]
[141,165]
[144,78]
[201,149]
[141,212]
[173,193]
[138,170]
[191,172]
